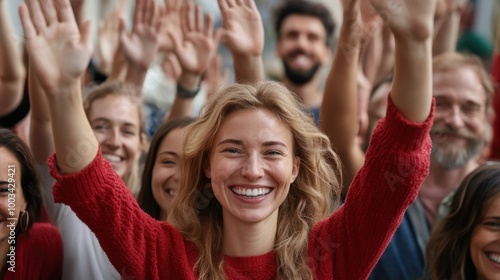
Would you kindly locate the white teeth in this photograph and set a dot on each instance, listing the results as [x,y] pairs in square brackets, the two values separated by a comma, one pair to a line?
[494,257]
[251,192]
[111,158]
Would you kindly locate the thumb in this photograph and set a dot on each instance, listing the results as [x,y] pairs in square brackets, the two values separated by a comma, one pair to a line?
[86,34]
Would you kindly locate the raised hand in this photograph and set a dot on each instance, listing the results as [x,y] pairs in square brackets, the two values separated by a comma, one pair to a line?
[109,39]
[408,18]
[59,52]
[197,45]
[242,29]
[141,45]
[216,77]
[169,19]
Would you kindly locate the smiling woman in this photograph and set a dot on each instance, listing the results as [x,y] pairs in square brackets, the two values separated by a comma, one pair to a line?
[24,243]
[114,111]
[465,245]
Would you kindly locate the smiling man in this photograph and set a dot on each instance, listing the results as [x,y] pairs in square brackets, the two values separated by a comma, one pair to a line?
[304,31]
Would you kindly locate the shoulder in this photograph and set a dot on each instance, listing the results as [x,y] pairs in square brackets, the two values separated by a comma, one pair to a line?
[42,236]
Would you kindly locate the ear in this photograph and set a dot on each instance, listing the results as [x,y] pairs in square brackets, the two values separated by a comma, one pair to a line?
[295,168]
[206,169]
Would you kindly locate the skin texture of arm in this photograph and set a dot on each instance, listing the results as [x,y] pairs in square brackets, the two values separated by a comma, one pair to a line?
[339,110]
[12,72]
[242,33]
[60,52]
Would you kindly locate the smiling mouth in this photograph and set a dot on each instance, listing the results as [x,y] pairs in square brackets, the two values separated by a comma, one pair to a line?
[494,257]
[112,158]
[254,192]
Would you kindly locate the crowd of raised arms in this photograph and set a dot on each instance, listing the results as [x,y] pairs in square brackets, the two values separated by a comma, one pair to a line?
[131,151]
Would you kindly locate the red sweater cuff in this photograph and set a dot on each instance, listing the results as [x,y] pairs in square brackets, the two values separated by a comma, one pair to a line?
[83,185]
[411,135]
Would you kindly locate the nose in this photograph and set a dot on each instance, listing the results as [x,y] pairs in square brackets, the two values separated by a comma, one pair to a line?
[454,118]
[113,139]
[252,167]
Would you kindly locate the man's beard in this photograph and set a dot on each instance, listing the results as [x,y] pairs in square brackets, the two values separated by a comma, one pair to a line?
[300,77]
[450,156]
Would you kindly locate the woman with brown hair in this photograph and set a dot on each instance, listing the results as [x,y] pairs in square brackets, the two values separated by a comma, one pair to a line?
[24,243]
[464,245]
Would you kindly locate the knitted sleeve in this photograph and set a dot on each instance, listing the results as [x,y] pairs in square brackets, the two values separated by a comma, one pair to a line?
[348,244]
[137,245]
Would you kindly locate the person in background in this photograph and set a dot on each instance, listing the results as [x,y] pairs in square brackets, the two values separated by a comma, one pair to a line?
[37,248]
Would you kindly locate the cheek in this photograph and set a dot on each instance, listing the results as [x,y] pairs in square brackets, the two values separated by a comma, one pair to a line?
[133,147]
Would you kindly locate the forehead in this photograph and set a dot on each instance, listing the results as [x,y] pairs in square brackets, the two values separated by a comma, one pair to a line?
[254,125]
[172,141]
[119,109]
[302,23]
[494,207]
[461,84]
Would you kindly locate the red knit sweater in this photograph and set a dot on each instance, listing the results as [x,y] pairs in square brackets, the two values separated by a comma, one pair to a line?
[39,254]
[344,246]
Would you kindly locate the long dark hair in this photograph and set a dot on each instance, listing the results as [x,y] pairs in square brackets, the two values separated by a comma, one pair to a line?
[448,252]
[29,176]
[145,198]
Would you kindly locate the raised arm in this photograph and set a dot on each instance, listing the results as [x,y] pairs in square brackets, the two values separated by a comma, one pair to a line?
[242,33]
[59,53]
[141,45]
[12,72]
[447,27]
[412,23]
[194,49]
[339,110]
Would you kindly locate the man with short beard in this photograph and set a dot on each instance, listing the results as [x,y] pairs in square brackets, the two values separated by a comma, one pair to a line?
[463,92]
[304,30]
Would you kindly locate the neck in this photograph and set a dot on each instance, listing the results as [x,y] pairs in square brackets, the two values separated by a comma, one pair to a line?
[249,239]
[309,93]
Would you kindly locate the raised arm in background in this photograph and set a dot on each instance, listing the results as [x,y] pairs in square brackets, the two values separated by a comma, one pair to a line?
[141,45]
[339,110]
[60,52]
[242,33]
[194,47]
[447,26]
[12,72]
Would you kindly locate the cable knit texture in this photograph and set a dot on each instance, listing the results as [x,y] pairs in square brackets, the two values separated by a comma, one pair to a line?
[346,245]
[39,254]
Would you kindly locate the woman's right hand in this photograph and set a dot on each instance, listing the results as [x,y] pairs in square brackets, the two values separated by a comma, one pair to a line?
[59,52]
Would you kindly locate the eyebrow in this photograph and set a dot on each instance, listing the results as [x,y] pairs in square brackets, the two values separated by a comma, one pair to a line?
[239,142]
[169,153]
[109,121]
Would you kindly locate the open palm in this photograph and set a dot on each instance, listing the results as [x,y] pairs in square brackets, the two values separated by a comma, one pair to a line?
[59,53]
[242,28]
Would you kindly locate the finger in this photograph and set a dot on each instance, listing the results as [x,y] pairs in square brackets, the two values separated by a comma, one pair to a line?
[239,2]
[138,13]
[49,11]
[251,4]
[186,17]
[28,27]
[121,7]
[64,11]
[86,35]
[231,3]
[37,16]
[222,6]
[198,19]
[149,12]
[176,41]
[209,26]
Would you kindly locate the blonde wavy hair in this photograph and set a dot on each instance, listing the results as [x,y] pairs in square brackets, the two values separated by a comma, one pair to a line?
[197,213]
